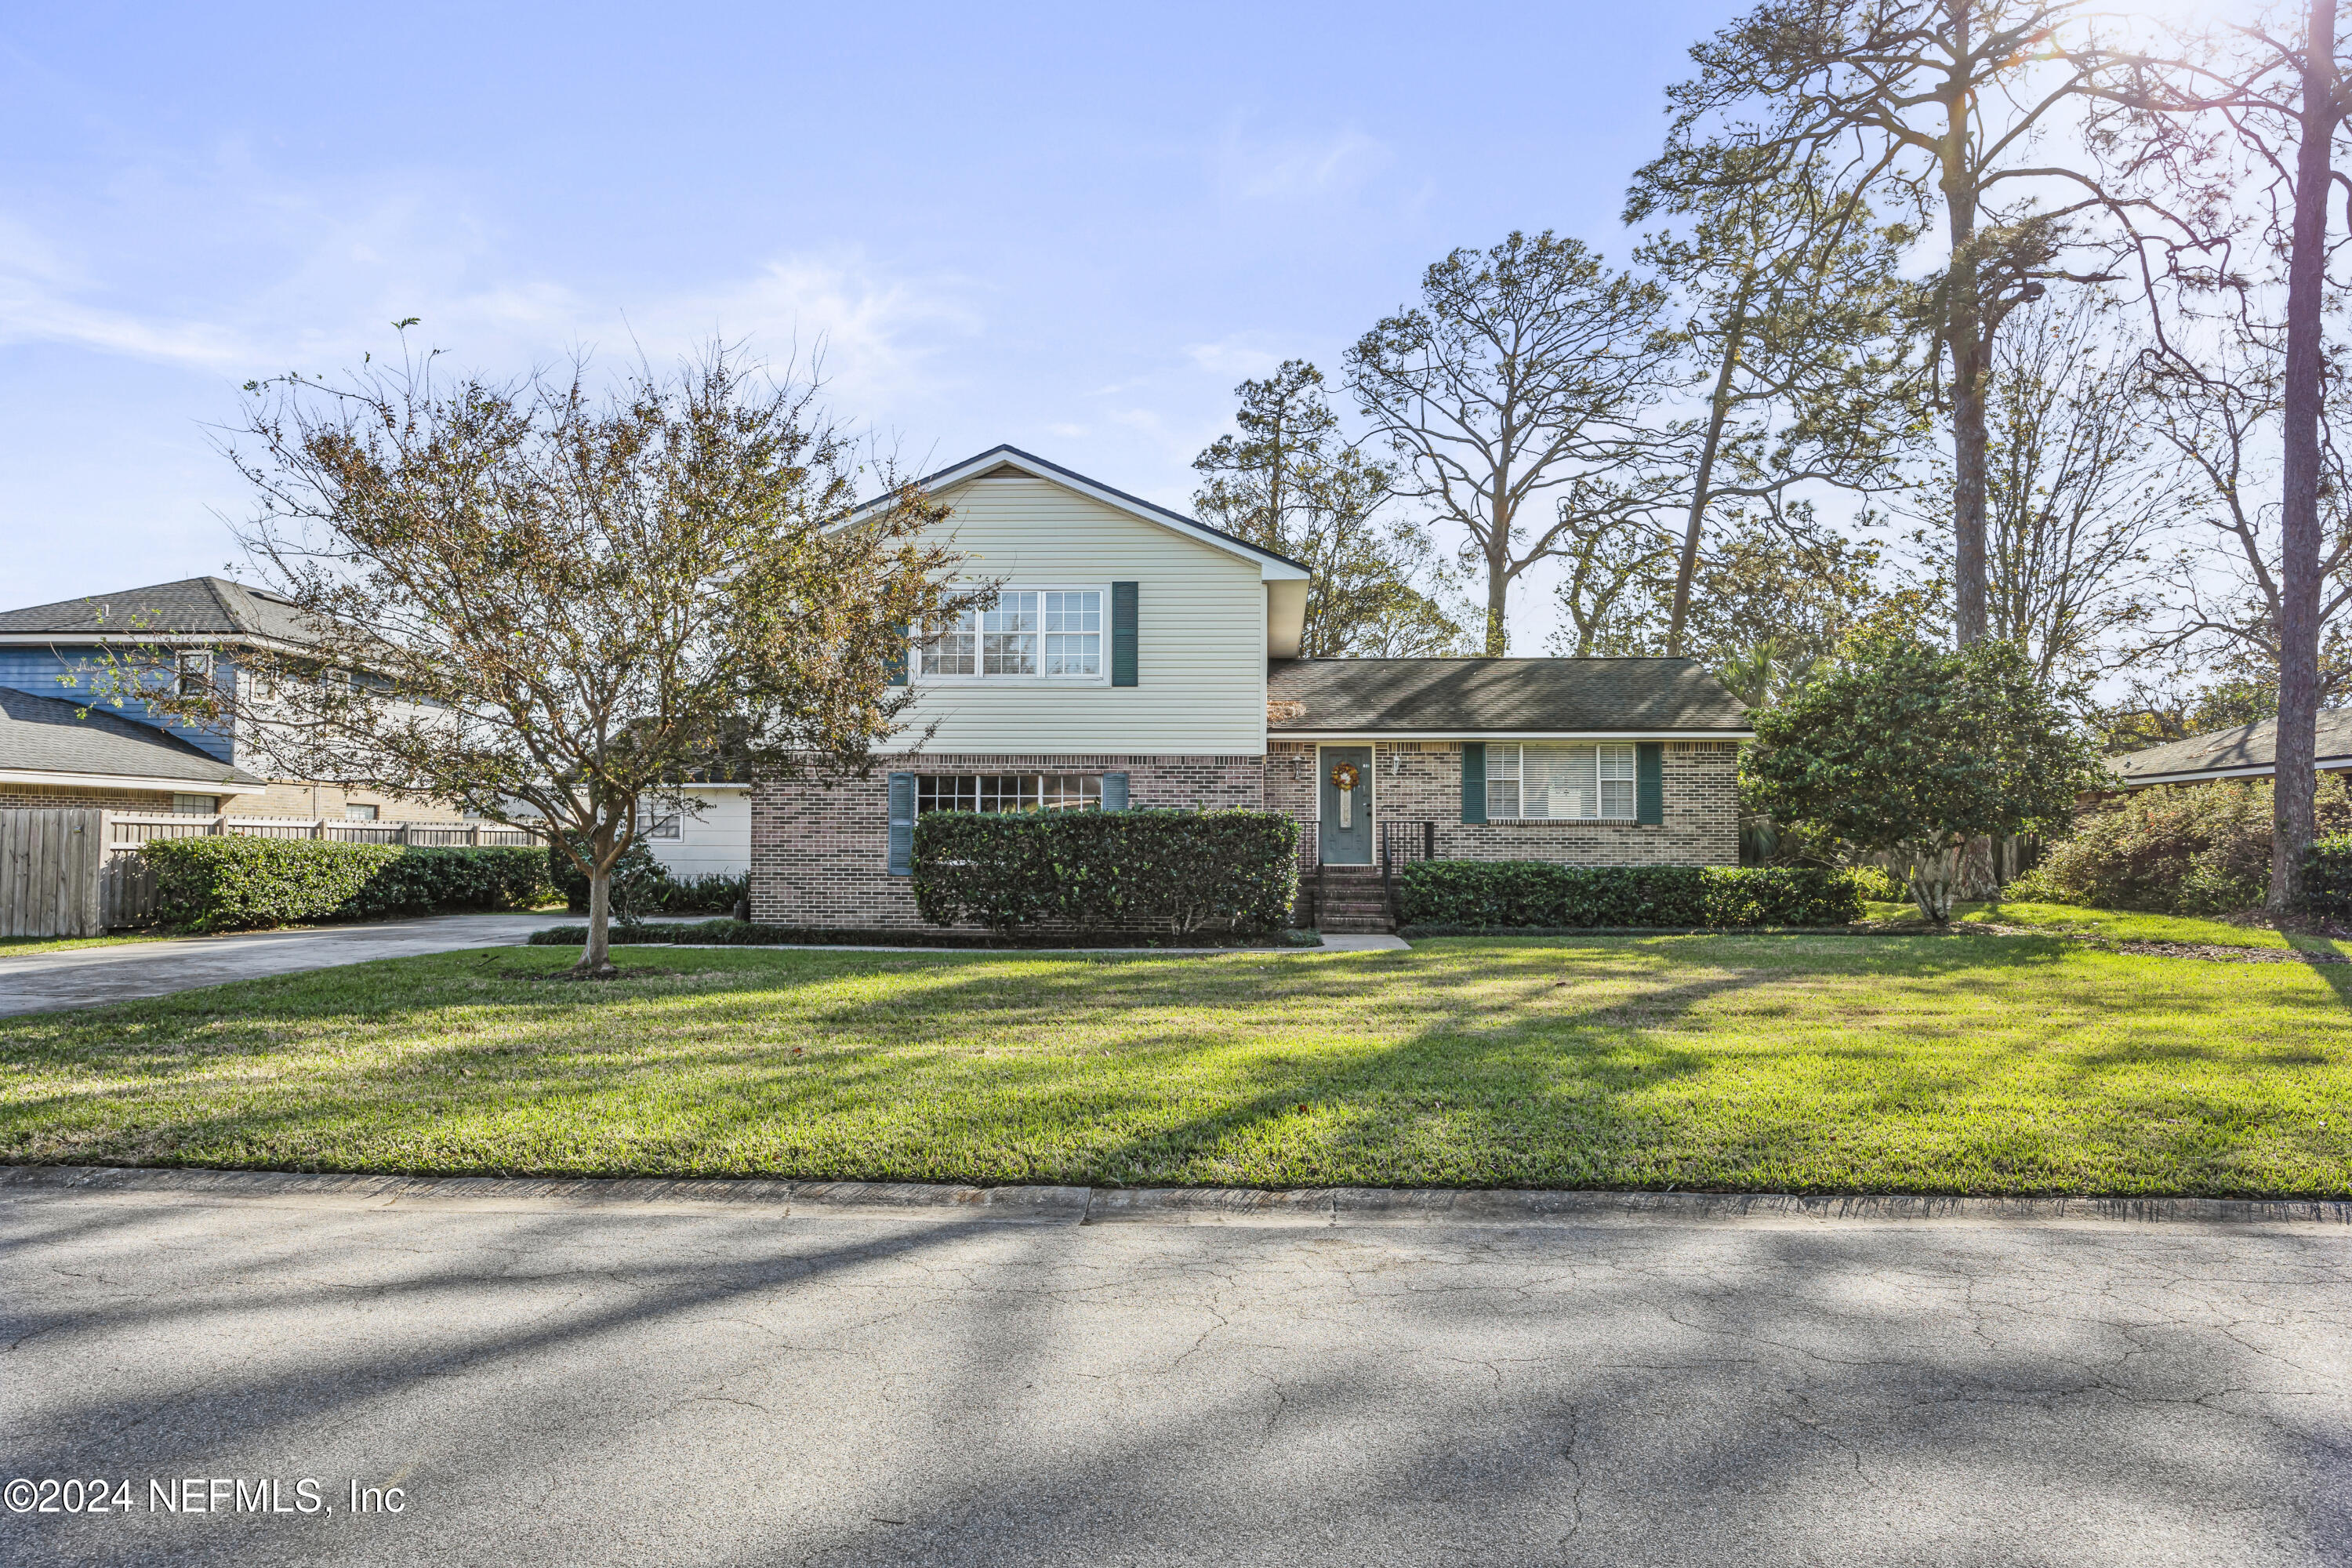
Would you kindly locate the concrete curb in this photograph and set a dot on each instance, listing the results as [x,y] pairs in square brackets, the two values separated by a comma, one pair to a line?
[1323,1206]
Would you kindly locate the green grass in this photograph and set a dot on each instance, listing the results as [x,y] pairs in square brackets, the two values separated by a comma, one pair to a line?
[11,946]
[2114,925]
[1965,1063]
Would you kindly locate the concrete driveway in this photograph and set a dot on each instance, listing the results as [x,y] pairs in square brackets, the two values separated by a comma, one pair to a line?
[530,1379]
[85,976]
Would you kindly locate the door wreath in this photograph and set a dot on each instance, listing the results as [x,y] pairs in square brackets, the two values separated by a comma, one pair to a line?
[1344,779]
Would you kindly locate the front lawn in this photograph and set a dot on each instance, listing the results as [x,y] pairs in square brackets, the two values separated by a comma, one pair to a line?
[2112,925]
[1968,1062]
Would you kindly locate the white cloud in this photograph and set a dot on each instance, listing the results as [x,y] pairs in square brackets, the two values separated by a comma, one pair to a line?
[1239,357]
[1292,167]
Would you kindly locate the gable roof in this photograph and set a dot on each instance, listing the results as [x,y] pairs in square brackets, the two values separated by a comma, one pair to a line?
[49,736]
[1025,464]
[193,607]
[1466,698]
[2249,750]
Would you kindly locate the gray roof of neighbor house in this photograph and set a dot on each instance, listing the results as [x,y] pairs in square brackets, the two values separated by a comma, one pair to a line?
[1468,697]
[194,606]
[48,735]
[2249,751]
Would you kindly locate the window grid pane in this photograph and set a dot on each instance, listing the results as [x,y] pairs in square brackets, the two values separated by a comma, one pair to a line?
[1007,792]
[1032,631]
[1502,782]
[1616,767]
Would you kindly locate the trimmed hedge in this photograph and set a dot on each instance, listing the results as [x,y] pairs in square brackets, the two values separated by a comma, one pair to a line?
[752,933]
[237,883]
[1471,895]
[1184,871]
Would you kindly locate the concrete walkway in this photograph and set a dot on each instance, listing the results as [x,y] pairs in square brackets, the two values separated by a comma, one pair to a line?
[632,1372]
[86,976]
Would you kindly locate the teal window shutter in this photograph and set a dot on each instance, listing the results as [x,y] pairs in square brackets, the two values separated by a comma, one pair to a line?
[1122,634]
[897,665]
[1650,782]
[902,824]
[1114,792]
[1473,781]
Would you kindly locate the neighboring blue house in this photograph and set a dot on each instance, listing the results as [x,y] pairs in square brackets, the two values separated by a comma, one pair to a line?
[132,758]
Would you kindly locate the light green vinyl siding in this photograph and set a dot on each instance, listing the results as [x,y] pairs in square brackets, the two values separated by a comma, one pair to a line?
[1199,645]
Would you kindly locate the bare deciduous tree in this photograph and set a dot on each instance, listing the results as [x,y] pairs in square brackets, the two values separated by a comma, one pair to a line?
[1796,315]
[548,603]
[1290,482]
[1525,375]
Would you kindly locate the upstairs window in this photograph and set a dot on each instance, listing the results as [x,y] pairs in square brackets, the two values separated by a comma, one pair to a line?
[194,672]
[1547,782]
[1054,632]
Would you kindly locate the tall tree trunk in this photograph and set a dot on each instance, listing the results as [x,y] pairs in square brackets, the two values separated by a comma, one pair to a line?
[597,954]
[1964,339]
[1687,567]
[1499,566]
[2298,628]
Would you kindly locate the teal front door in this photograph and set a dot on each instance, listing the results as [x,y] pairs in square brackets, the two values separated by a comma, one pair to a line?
[1347,810]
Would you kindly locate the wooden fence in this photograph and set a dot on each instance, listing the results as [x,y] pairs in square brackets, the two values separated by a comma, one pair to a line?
[50,868]
[77,871]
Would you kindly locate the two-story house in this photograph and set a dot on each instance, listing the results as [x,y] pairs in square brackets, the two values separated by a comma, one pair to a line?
[1134,657]
[72,734]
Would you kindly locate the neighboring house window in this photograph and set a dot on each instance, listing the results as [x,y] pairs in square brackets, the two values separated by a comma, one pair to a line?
[359,812]
[195,672]
[194,805]
[1548,783]
[661,821]
[1008,791]
[1029,632]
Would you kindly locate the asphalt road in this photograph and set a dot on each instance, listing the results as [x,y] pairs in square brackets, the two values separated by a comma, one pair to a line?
[738,1383]
[85,976]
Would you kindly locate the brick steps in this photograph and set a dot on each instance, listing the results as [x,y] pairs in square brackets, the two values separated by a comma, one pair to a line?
[1353,901]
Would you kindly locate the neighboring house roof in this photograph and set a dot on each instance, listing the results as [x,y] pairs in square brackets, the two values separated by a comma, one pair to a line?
[1466,698]
[211,607]
[1026,464]
[2249,751]
[44,739]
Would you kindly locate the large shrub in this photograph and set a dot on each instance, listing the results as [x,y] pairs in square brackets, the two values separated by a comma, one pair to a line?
[1536,895]
[2175,849]
[237,883]
[1913,751]
[2328,873]
[1179,870]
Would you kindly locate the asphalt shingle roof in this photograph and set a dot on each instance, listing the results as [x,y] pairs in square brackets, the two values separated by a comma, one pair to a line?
[194,606]
[1501,696]
[2228,750]
[46,734]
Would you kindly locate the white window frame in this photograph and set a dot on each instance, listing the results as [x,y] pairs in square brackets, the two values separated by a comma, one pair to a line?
[1614,755]
[662,822]
[211,806]
[918,661]
[359,811]
[1028,784]
[193,671]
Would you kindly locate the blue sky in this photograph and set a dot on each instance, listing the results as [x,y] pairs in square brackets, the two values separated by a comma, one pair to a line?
[1072,228]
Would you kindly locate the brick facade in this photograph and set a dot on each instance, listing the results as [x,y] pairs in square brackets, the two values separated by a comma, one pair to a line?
[821,852]
[44,796]
[1418,782]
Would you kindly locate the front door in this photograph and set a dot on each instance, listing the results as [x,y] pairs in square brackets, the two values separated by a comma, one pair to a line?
[1347,838]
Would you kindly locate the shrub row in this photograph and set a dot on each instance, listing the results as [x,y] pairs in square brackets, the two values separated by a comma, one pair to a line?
[752,933]
[644,886]
[2179,849]
[238,884]
[1469,895]
[2327,876]
[1182,871]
